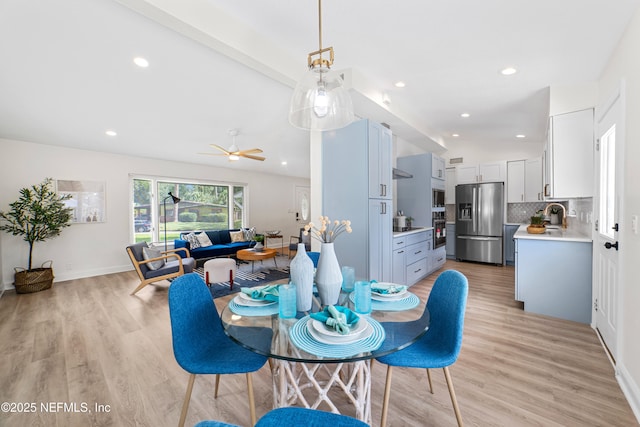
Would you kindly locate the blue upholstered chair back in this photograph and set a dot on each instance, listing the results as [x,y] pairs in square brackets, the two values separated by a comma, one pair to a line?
[315,256]
[446,304]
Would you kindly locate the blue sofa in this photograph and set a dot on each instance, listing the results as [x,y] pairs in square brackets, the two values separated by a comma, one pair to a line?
[222,245]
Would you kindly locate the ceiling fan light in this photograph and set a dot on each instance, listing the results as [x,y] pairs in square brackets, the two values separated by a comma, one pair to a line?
[233,157]
[320,102]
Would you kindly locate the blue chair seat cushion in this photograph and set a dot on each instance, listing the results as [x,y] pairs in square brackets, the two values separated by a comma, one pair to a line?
[293,416]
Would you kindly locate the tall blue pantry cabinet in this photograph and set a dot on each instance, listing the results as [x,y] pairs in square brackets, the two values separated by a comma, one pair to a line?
[357,185]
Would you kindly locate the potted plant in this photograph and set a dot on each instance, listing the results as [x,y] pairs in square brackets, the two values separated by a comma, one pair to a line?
[39,214]
[554,215]
[537,224]
[259,238]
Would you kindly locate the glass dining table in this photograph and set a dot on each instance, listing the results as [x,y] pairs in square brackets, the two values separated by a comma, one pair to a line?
[309,368]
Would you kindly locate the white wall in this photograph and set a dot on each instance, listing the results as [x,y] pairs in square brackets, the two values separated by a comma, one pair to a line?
[85,250]
[625,64]
[490,152]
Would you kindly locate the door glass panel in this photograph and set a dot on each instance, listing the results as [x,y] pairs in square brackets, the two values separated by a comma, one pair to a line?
[607,182]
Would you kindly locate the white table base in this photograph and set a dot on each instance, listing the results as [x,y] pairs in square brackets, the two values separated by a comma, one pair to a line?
[353,379]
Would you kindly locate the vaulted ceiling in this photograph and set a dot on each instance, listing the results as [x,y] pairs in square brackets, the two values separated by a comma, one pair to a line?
[67,73]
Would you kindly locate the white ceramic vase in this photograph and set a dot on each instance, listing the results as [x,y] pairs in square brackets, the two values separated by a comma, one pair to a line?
[328,275]
[301,272]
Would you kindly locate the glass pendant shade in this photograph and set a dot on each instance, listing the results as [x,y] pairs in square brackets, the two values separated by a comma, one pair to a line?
[320,101]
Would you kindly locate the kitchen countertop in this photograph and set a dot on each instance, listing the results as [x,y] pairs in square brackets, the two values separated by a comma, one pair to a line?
[553,233]
[413,230]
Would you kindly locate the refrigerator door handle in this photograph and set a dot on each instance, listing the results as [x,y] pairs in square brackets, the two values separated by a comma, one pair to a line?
[474,211]
[478,238]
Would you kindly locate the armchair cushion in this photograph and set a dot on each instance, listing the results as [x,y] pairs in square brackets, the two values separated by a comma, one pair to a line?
[150,253]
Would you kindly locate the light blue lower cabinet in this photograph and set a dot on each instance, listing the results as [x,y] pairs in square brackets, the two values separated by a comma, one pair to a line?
[554,278]
[398,268]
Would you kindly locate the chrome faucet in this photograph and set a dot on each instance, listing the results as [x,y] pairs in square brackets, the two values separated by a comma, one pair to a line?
[564,212]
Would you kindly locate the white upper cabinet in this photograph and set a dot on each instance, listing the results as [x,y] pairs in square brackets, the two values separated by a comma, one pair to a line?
[533,180]
[450,186]
[524,180]
[515,181]
[484,172]
[569,156]
[437,167]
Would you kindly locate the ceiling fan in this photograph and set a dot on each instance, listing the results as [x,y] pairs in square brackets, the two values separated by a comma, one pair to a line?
[234,153]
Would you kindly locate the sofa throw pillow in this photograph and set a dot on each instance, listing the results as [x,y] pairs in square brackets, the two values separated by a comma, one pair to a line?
[249,234]
[237,236]
[150,253]
[194,243]
[203,239]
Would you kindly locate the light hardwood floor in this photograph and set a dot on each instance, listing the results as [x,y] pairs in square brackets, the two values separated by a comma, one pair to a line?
[88,341]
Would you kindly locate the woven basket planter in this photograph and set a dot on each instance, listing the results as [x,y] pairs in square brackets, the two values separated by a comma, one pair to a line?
[34,280]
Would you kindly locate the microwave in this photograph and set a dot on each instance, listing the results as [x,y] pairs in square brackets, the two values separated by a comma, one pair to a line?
[438,198]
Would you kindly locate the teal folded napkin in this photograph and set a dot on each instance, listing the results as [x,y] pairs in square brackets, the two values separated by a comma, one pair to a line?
[269,292]
[388,290]
[340,318]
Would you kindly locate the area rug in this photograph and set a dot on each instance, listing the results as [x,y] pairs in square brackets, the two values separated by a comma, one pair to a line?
[246,279]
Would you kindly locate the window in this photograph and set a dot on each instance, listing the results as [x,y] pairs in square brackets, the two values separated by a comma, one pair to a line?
[607,182]
[202,206]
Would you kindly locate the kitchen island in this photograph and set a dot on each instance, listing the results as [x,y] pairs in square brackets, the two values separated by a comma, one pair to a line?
[553,273]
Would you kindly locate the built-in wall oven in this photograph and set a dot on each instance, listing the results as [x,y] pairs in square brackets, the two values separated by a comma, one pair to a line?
[439,229]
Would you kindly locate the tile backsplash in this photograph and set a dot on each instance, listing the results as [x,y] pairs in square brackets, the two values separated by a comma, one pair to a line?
[579,213]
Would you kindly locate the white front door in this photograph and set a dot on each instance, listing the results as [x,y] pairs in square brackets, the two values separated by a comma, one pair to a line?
[606,210]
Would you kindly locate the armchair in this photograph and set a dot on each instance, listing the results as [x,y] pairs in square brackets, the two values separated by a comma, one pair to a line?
[174,265]
[294,240]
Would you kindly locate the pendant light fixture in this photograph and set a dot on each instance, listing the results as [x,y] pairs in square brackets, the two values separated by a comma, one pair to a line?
[320,101]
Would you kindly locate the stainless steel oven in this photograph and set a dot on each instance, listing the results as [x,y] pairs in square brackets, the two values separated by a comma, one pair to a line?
[439,229]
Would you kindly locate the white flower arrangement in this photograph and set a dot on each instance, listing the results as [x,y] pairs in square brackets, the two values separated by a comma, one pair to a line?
[328,231]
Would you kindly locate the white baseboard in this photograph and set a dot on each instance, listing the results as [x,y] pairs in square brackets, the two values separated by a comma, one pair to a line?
[630,390]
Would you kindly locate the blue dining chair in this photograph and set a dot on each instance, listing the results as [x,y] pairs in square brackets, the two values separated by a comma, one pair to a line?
[293,417]
[200,345]
[315,256]
[440,345]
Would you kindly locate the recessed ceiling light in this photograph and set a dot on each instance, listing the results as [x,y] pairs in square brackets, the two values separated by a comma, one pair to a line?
[520,136]
[508,71]
[400,84]
[141,62]
[455,135]
[284,163]
[465,115]
[111,133]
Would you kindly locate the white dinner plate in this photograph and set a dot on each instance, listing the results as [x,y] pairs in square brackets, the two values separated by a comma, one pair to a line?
[326,331]
[366,331]
[246,300]
[395,295]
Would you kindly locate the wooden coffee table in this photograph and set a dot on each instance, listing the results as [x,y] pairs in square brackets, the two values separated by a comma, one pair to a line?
[253,255]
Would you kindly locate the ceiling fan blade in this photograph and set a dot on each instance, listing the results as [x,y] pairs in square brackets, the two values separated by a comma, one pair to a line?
[214,154]
[251,151]
[250,156]
[219,148]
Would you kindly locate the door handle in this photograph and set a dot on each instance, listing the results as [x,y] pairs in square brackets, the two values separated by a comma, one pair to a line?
[610,245]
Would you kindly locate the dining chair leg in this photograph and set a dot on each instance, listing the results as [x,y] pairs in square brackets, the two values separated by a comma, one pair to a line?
[385,400]
[187,398]
[429,378]
[215,391]
[452,393]
[252,402]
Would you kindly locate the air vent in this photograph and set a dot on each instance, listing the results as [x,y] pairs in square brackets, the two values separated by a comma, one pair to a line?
[385,125]
[455,160]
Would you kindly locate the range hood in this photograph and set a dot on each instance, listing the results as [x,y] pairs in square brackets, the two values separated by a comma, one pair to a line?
[400,174]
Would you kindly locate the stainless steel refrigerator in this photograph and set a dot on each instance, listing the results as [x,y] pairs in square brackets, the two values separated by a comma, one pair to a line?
[479,222]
